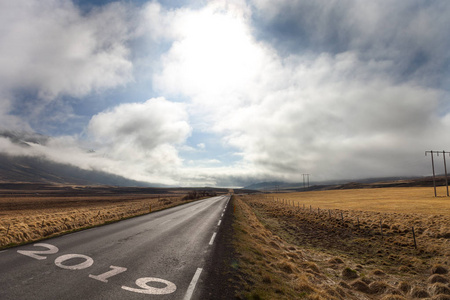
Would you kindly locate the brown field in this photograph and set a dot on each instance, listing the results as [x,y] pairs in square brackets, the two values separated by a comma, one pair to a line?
[357,245]
[417,200]
[29,215]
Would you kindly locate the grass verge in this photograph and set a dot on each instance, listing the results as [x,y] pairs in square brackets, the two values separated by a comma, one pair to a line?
[288,253]
[22,226]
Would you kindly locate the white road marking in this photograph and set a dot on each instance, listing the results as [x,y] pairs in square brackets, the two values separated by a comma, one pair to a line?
[86,264]
[33,253]
[212,238]
[220,221]
[222,215]
[104,277]
[145,289]
[193,283]
[3,251]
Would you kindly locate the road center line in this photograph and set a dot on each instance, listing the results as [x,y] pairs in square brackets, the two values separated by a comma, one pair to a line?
[192,285]
[220,221]
[212,238]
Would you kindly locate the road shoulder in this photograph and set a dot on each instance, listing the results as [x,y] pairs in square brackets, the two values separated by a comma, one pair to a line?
[217,279]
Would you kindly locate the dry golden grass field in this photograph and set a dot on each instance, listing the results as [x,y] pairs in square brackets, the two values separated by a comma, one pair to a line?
[29,215]
[345,244]
[417,200]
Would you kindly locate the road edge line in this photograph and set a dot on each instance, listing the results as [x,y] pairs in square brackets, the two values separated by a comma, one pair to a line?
[192,285]
[212,238]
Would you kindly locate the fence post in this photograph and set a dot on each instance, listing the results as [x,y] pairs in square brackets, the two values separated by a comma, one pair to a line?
[414,237]
[381,229]
[7,231]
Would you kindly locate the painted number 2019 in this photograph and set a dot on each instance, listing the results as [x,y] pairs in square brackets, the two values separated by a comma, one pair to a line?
[62,262]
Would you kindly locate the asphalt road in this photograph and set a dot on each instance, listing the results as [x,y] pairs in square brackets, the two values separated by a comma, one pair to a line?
[161,255]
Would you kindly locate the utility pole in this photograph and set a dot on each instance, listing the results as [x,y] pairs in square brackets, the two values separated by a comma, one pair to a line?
[432,166]
[305,176]
[445,168]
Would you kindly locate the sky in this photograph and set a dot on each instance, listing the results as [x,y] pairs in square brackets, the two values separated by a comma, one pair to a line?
[228,93]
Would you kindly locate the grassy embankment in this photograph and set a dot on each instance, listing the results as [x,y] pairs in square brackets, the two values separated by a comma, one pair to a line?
[342,250]
[27,219]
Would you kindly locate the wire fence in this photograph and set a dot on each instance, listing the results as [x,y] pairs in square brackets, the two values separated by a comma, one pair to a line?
[404,230]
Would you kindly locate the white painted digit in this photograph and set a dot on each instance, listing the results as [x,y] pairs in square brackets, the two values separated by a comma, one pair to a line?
[33,253]
[145,289]
[104,277]
[86,264]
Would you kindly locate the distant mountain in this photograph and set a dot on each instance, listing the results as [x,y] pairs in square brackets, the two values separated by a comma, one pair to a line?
[271,185]
[33,169]
[343,184]
[39,170]
[281,185]
[22,138]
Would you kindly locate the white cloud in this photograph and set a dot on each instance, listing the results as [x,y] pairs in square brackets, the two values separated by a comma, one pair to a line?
[331,115]
[408,35]
[135,140]
[49,48]
[352,89]
[213,53]
[146,133]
